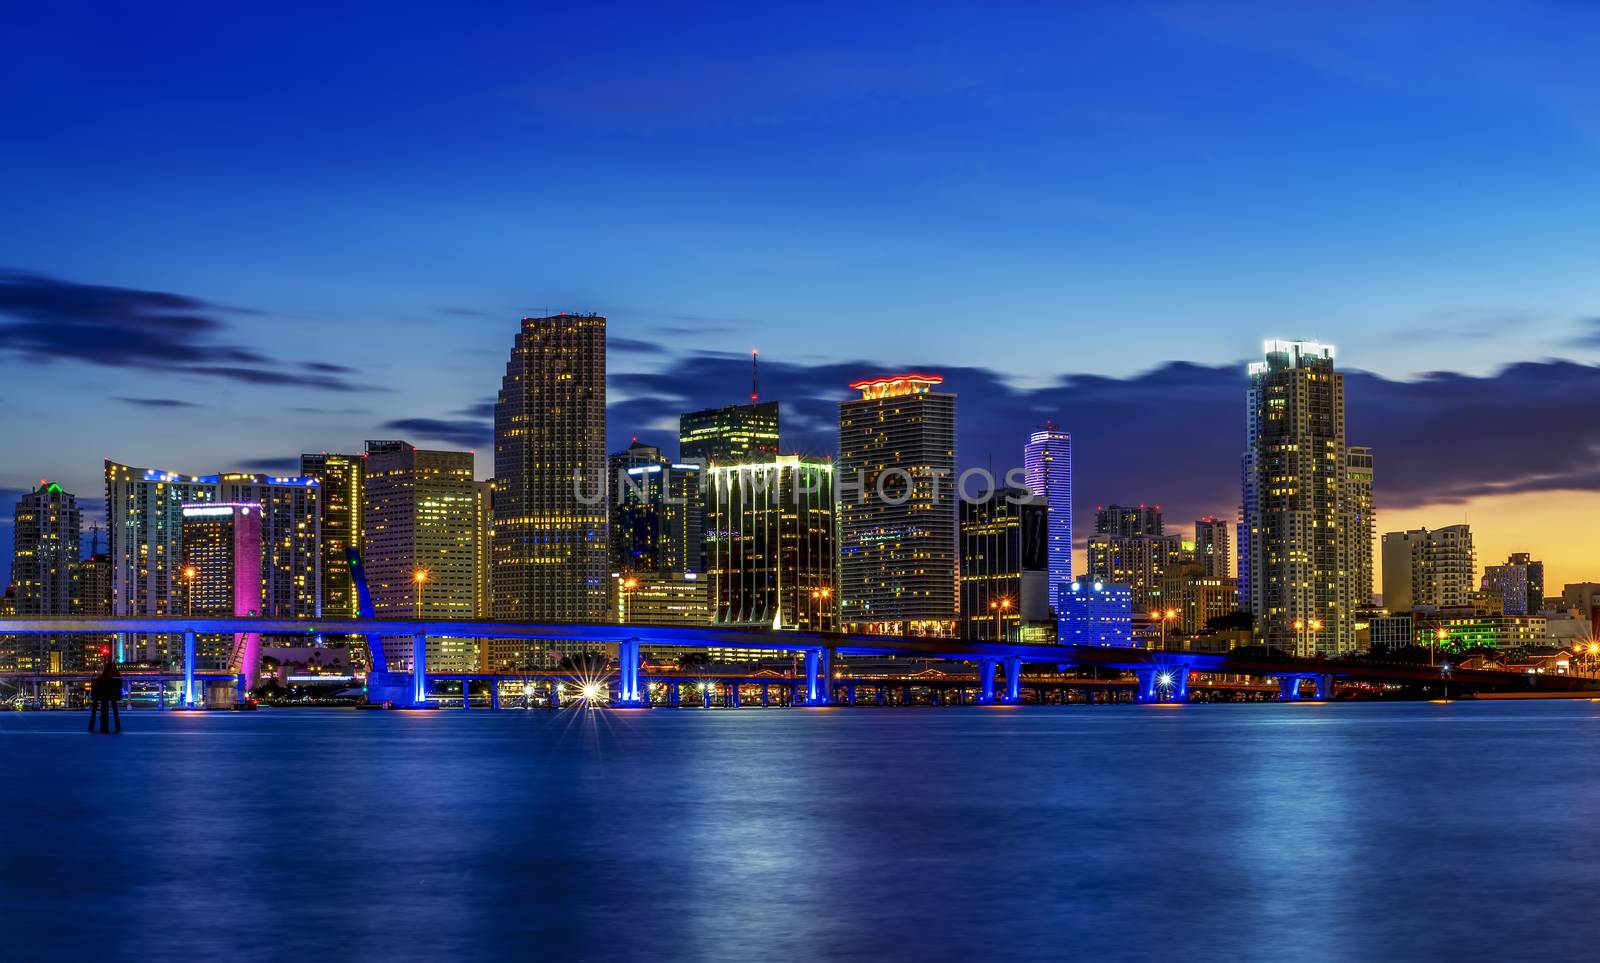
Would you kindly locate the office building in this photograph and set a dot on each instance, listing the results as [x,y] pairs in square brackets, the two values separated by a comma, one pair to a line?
[1134,561]
[1047,461]
[1519,583]
[144,527]
[483,545]
[771,546]
[224,574]
[550,486]
[1297,503]
[291,539]
[1429,569]
[341,479]
[1359,523]
[1197,596]
[729,435]
[47,529]
[666,598]
[657,513]
[420,532]
[1124,521]
[897,507]
[1213,546]
[1094,613]
[1005,564]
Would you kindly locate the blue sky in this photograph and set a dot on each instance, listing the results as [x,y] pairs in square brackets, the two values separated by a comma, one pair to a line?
[363,200]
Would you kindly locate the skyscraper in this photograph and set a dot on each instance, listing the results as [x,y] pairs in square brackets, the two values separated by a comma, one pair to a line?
[291,539]
[550,487]
[1005,565]
[144,522]
[1128,521]
[223,551]
[657,513]
[1213,546]
[1048,462]
[1094,613]
[340,478]
[419,516]
[1434,568]
[44,572]
[729,435]
[897,507]
[1359,523]
[1519,583]
[770,545]
[1136,562]
[1296,498]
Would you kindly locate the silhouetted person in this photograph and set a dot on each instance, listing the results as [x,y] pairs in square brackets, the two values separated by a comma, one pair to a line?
[106,695]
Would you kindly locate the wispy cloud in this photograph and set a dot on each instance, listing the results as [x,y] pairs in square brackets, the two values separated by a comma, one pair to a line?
[157,402]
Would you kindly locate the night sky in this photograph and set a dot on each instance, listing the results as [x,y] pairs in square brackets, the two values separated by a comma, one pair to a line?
[228,236]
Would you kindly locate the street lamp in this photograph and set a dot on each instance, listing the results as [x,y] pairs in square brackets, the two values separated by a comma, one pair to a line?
[628,585]
[1439,635]
[997,610]
[419,578]
[190,573]
[1162,618]
[819,601]
[1302,628]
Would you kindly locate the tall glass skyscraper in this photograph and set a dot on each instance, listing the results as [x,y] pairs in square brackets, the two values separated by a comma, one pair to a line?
[729,435]
[1048,460]
[550,487]
[897,508]
[1298,502]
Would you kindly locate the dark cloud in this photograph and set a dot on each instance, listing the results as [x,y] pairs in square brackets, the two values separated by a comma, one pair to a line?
[636,347]
[47,319]
[271,466]
[1174,435]
[324,367]
[465,312]
[157,402]
[471,433]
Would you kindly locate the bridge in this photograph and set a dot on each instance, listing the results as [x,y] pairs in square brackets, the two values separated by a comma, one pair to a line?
[1161,676]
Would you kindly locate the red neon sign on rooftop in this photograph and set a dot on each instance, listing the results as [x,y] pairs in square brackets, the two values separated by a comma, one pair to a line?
[892,385]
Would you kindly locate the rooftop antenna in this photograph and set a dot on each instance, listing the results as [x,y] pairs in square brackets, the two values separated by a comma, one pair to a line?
[754,394]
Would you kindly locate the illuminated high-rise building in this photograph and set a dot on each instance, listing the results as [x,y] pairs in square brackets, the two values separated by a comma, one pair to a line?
[1360,524]
[550,487]
[419,516]
[1213,546]
[1048,462]
[144,524]
[291,539]
[340,477]
[770,545]
[729,435]
[1128,521]
[657,513]
[1005,565]
[1094,613]
[44,572]
[483,519]
[223,575]
[1297,500]
[897,507]
[1136,562]
[1429,569]
[1519,583]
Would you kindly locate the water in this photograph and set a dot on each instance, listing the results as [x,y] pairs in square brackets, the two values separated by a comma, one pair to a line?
[1396,831]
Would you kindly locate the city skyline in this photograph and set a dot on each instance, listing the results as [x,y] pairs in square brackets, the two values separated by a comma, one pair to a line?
[876,198]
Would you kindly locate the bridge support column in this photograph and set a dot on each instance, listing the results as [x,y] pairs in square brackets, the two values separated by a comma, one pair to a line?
[1163,684]
[766,695]
[733,694]
[878,693]
[1013,679]
[986,669]
[850,693]
[188,668]
[494,693]
[466,694]
[673,695]
[1324,686]
[705,694]
[555,695]
[419,669]
[630,693]
[819,677]
[1289,688]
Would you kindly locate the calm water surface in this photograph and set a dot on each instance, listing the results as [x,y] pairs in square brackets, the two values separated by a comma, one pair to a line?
[1401,831]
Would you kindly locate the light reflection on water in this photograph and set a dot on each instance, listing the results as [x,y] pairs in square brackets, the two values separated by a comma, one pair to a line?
[1402,831]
